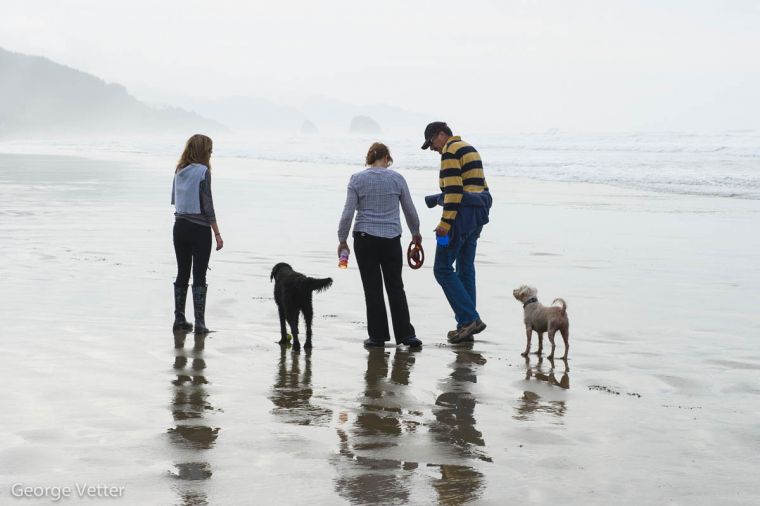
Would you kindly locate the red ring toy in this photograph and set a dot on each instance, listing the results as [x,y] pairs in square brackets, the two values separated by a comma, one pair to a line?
[415,255]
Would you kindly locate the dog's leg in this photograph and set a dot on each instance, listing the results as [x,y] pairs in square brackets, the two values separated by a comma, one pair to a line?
[552,331]
[283,330]
[565,331]
[308,314]
[540,343]
[528,332]
[293,322]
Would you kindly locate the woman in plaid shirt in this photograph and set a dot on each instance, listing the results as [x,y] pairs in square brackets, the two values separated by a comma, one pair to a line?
[374,194]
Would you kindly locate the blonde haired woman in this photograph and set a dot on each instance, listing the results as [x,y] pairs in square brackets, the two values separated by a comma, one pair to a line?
[375,194]
[194,221]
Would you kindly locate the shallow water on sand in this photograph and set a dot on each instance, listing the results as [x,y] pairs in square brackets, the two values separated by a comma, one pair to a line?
[657,404]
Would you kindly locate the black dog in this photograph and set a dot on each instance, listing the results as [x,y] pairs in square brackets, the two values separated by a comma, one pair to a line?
[292,293]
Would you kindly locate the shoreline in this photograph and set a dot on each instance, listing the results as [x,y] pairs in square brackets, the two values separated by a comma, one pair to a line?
[675,165]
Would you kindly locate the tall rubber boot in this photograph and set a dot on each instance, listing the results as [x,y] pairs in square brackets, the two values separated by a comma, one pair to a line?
[199,304]
[180,296]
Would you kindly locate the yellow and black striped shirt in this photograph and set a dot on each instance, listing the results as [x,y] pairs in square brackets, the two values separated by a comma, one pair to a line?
[461,171]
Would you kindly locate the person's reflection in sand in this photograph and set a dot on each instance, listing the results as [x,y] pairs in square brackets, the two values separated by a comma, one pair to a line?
[531,402]
[292,391]
[454,429]
[191,435]
[368,473]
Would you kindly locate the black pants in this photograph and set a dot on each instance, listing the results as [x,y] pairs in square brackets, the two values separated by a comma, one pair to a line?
[379,261]
[192,245]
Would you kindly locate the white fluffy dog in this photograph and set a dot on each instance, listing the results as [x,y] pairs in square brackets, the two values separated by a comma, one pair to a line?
[540,318]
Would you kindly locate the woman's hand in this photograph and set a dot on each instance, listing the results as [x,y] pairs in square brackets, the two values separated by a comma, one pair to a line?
[343,245]
[219,241]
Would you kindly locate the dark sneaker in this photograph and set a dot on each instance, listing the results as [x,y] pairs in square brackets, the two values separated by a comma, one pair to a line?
[461,339]
[480,327]
[465,333]
[412,342]
[369,343]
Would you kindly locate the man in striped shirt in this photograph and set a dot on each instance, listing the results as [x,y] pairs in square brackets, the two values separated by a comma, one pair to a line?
[466,201]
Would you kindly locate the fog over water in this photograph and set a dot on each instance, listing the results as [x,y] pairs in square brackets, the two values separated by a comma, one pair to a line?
[492,66]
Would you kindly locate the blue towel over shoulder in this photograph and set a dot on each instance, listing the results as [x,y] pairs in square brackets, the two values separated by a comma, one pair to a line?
[473,211]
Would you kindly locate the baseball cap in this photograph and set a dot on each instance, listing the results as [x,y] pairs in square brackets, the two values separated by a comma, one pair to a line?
[432,129]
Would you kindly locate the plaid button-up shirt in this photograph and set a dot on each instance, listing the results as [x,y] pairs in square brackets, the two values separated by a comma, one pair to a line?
[374,194]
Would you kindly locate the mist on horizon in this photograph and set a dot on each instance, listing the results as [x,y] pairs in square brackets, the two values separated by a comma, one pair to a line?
[489,66]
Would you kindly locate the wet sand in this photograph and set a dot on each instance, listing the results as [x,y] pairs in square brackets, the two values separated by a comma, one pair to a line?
[657,404]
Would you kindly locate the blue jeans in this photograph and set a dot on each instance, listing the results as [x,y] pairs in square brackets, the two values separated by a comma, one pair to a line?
[459,285]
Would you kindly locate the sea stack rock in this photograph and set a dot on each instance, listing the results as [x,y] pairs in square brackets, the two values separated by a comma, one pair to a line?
[364,125]
[309,128]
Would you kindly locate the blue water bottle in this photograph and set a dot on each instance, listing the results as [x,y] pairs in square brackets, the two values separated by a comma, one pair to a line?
[442,240]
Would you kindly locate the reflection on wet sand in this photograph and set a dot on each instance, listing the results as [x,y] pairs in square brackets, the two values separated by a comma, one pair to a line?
[292,391]
[365,476]
[191,435]
[454,427]
[539,371]
[531,402]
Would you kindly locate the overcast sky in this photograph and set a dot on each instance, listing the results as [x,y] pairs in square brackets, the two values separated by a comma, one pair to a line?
[511,65]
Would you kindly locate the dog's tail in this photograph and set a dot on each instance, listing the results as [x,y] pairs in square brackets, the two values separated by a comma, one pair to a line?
[318,285]
[564,304]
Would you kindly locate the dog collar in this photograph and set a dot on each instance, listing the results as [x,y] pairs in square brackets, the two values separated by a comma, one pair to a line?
[530,301]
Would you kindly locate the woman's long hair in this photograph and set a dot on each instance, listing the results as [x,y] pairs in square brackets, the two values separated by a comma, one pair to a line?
[378,151]
[197,150]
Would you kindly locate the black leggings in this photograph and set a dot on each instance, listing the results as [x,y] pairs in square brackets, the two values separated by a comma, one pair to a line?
[192,245]
[380,262]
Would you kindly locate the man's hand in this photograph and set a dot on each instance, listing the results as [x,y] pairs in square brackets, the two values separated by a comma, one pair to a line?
[417,239]
[440,231]
[343,245]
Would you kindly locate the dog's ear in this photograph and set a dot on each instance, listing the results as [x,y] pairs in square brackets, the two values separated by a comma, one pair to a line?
[274,272]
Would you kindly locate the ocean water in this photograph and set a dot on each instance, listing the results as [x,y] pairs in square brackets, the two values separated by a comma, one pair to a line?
[724,164]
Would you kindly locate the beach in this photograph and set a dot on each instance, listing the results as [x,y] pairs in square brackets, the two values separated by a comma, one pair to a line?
[657,403]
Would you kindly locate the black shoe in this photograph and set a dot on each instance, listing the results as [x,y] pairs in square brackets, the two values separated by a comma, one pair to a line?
[369,343]
[412,342]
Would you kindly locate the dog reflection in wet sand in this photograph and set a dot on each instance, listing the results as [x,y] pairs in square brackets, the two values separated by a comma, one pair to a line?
[537,371]
[532,403]
[540,318]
